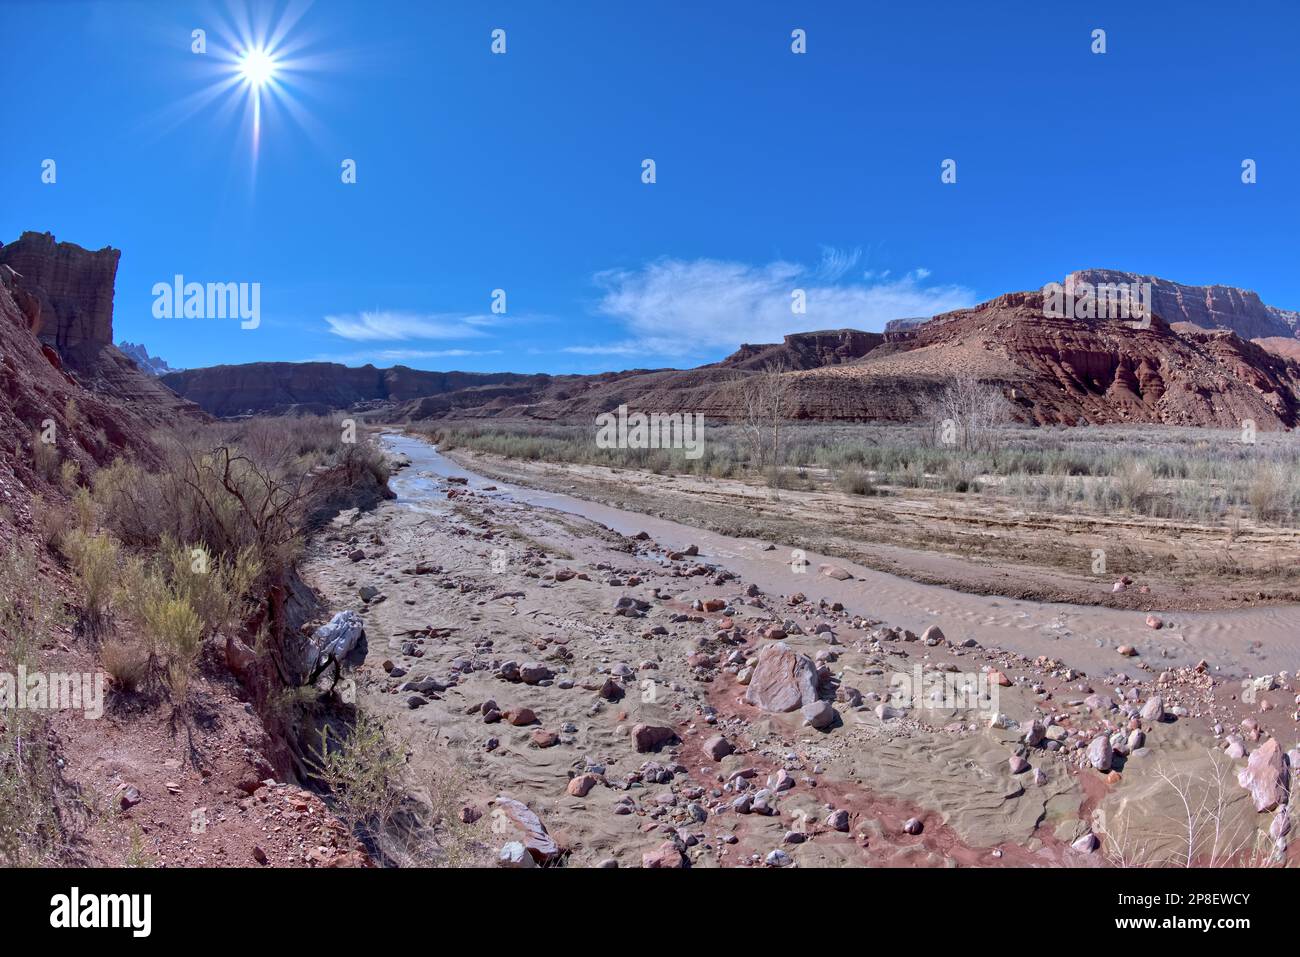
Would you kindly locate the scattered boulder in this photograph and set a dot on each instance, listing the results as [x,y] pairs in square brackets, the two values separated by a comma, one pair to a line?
[667,855]
[650,737]
[534,672]
[532,832]
[718,747]
[1154,709]
[1100,753]
[818,714]
[932,635]
[1265,776]
[581,785]
[782,680]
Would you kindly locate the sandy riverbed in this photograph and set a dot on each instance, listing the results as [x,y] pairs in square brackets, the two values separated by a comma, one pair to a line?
[473,576]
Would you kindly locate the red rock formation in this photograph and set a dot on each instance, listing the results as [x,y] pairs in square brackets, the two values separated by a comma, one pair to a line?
[72,288]
[806,350]
[65,295]
[1210,307]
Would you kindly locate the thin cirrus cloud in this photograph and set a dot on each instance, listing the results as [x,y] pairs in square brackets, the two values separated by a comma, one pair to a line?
[393,326]
[382,356]
[675,307]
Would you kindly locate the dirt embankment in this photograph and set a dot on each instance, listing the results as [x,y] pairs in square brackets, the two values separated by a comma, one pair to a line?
[958,541]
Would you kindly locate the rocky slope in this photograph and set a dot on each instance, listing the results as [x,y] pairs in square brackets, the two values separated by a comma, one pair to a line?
[806,350]
[1072,371]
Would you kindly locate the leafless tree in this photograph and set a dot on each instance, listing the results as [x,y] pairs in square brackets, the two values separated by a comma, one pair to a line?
[765,405]
[966,413]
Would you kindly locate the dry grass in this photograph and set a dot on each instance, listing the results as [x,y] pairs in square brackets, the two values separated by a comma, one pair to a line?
[1204,476]
[126,663]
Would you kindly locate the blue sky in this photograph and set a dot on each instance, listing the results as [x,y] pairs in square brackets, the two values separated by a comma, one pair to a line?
[523,171]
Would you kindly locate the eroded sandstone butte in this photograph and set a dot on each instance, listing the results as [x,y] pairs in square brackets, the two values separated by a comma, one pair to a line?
[63,296]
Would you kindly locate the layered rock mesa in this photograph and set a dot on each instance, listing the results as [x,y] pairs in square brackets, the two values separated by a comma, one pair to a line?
[1210,307]
[279,388]
[806,350]
[64,295]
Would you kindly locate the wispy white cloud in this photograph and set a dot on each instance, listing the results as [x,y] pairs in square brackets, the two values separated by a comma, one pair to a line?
[394,326]
[383,356]
[836,263]
[610,349]
[688,307]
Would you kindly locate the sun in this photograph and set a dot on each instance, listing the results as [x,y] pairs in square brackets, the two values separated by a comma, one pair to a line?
[257,67]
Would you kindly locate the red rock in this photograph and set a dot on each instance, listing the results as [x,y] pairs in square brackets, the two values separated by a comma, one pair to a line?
[718,747]
[666,855]
[581,785]
[545,739]
[520,716]
[782,680]
[649,737]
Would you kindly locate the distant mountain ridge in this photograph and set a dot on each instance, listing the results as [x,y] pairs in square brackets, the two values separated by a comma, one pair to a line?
[138,354]
[295,387]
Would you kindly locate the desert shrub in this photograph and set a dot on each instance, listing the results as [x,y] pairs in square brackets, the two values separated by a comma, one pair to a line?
[363,771]
[173,635]
[45,458]
[52,524]
[69,473]
[1134,484]
[126,663]
[31,832]
[177,605]
[83,510]
[94,561]
[215,587]
[856,481]
[1267,493]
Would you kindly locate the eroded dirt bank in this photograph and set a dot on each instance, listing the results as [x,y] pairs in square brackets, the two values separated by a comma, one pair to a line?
[599,676]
